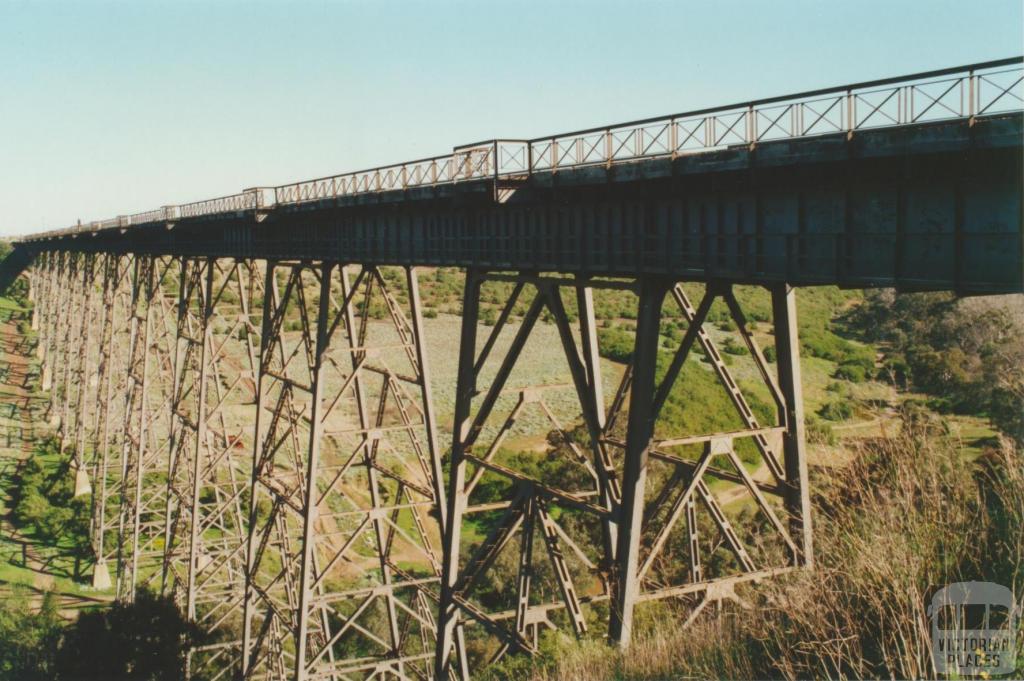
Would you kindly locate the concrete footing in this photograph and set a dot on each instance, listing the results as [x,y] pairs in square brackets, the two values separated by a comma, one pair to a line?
[101,576]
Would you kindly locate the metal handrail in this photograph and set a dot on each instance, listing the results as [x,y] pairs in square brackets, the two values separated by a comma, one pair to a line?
[944,94]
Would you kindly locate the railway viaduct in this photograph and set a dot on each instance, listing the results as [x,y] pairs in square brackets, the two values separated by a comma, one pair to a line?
[244,388]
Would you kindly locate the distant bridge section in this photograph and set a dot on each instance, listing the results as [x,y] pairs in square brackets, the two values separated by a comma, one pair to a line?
[913,182]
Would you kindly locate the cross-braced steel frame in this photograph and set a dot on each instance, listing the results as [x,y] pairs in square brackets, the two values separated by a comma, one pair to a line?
[108,425]
[346,481]
[610,495]
[260,442]
[213,406]
[148,425]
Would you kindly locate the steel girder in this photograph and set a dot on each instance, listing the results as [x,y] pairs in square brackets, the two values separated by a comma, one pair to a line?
[515,623]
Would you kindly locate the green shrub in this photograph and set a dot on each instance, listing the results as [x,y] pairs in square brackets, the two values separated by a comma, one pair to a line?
[28,638]
[854,373]
[615,344]
[43,499]
[732,347]
[819,432]
[838,410]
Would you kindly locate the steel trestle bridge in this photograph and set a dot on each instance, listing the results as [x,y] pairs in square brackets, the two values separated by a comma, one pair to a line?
[244,384]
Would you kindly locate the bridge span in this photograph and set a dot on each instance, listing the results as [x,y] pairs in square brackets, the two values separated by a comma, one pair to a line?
[244,387]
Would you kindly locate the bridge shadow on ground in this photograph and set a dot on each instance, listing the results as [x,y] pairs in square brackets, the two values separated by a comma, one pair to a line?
[27,560]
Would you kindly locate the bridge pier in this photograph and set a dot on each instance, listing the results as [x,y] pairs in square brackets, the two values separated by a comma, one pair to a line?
[59,330]
[112,369]
[346,478]
[208,475]
[147,413]
[639,439]
[798,496]
[638,522]
[85,378]
[530,502]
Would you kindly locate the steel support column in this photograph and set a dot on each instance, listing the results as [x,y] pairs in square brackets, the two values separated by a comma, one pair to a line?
[640,433]
[61,329]
[210,548]
[271,610]
[188,428]
[465,390]
[115,339]
[85,379]
[787,345]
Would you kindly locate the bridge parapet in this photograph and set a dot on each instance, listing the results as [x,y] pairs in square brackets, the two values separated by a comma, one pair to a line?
[963,92]
[249,199]
[959,93]
[481,160]
[161,214]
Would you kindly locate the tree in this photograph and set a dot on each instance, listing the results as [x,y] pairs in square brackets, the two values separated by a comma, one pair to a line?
[146,640]
[27,639]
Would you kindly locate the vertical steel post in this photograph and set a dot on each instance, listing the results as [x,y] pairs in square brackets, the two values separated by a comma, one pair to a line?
[201,457]
[72,333]
[259,430]
[316,428]
[60,335]
[430,420]
[34,281]
[638,442]
[135,428]
[594,402]
[787,346]
[44,348]
[448,616]
[114,277]
[85,376]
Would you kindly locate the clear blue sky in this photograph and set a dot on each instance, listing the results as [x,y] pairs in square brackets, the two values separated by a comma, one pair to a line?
[118,107]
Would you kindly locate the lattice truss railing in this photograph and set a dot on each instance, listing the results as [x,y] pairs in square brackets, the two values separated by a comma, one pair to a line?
[147,430]
[211,441]
[344,514]
[965,92]
[553,543]
[837,111]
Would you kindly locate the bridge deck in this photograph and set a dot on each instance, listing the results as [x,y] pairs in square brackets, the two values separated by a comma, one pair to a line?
[912,182]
